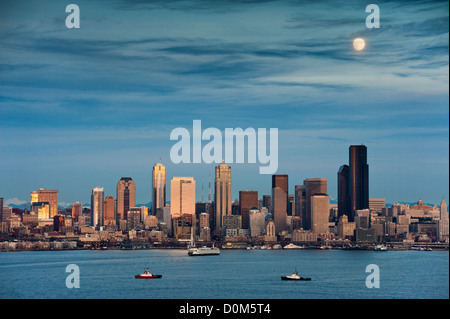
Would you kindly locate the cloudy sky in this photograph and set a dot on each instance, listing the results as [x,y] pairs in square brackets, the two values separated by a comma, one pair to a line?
[81,108]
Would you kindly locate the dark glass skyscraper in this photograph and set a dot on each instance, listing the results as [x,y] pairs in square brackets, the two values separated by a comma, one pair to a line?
[353,183]
[359,178]
[343,178]
[247,200]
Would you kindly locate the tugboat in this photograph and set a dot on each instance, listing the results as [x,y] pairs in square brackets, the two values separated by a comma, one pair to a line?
[147,275]
[294,276]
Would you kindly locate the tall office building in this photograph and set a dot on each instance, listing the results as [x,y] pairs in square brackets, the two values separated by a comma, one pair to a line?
[320,213]
[280,200]
[126,197]
[97,206]
[247,201]
[359,179]
[279,208]
[353,183]
[443,209]
[159,187]
[267,202]
[182,196]
[343,179]
[46,195]
[222,194]
[280,181]
[313,186]
[300,200]
[77,211]
[109,208]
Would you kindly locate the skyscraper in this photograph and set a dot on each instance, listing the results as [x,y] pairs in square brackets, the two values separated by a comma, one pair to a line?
[267,202]
[126,197]
[77,211]
[280,201]
[300,202]
[247,200]
[222,194]
[159,187]
[359,179]
[280,181]
[182,196]
[320,213]
[97,206]
[313,186]
[109,211]
[279,208]
[343,179]
[443,209]
[47,195]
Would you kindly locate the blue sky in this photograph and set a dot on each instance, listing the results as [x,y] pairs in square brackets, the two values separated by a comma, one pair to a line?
[81,108]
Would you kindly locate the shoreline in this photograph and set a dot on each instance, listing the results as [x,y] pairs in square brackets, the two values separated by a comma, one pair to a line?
[73,246]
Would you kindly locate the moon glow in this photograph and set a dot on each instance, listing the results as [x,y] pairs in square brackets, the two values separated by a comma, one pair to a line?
[359,44]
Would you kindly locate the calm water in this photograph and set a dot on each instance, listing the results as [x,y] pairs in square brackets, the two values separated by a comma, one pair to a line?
[235,274]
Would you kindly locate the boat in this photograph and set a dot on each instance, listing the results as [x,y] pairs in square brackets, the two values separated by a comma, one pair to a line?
[381,248]
[193,250]
[293,246]
[203,251]
[294,276]
[147,275]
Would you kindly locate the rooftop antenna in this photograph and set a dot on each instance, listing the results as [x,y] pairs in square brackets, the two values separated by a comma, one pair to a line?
[202,189]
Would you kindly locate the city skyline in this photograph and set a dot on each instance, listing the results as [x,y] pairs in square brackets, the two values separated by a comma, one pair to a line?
[125,191]
[83,108]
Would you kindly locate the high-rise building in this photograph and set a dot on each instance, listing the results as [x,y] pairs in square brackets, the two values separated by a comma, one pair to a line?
[280,201]
[109,214]
[159,187]
[313,186]
[443,222]
[359,179]
[279,208]
[353,183]
[47,195]
[443,210]
[77,211]
[247,201]
[126,197]
[222,194]
[267,202]
[182,196]
[257,223]
[59,224]
[41,209]
[300,201]
[343,179]
[320,212]
[97,206]
[281,181]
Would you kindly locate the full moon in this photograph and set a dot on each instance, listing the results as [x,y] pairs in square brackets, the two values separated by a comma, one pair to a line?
[359,44]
